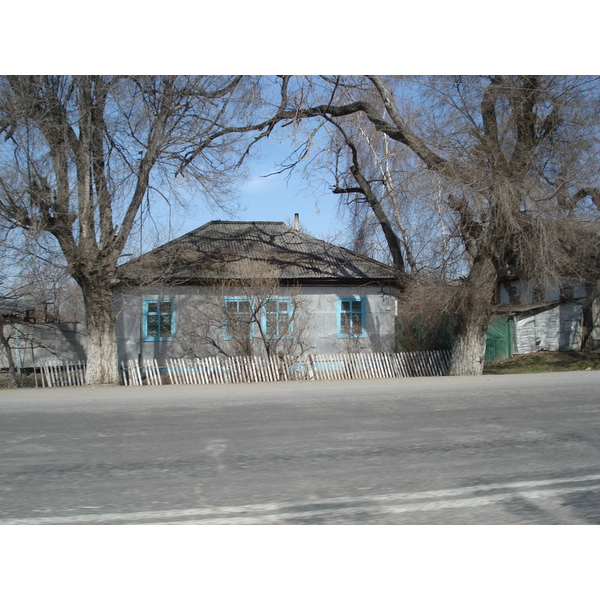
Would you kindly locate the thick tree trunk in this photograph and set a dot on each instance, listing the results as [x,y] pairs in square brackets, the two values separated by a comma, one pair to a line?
[5,344]
[102,360]
[473,316]
[468,349]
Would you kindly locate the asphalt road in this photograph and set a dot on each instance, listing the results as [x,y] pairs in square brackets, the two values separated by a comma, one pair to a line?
[521,449]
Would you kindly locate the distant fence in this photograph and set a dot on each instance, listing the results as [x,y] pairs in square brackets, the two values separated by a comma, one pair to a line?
[319,367]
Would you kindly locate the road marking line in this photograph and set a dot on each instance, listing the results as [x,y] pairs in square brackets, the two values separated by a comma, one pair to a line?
[373,503]
[380,511]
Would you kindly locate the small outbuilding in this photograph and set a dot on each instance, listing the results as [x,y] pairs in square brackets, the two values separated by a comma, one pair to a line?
[562,318]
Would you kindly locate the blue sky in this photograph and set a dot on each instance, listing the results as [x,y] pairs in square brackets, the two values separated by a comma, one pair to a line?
[278,197]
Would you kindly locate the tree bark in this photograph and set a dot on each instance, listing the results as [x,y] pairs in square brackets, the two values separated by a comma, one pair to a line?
[102,359]
[473,315]
[5,344]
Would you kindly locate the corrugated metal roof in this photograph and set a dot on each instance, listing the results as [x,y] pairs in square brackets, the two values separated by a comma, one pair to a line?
[519,308]
[220,249]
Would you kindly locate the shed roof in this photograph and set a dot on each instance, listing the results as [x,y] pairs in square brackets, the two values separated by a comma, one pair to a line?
[218,249]
[521,308]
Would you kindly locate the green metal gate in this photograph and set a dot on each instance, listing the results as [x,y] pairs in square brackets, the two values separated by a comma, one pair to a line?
[498,339]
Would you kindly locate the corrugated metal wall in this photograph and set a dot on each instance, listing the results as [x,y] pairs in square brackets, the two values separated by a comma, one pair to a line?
[537,331]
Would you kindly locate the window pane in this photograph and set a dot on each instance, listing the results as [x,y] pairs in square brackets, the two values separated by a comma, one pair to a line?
[284,324]
[356,323]
[244,307]
[152,325]
[345,323]
[271,306]
[165,308]
[152,307]
[165,325]
[271,324]
[346,306]
[356,306]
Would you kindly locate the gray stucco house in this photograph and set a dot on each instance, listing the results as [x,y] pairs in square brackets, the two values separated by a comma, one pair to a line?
[236,288]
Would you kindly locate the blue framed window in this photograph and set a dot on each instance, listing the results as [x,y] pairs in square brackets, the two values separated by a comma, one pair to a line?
[277,318]
[159,319]
[238,319]
[351,317]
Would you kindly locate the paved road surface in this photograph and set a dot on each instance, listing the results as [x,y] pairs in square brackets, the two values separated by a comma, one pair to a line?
[490,450]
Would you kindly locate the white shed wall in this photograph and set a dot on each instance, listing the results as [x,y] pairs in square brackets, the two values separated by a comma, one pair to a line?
[539,331]
[557,328]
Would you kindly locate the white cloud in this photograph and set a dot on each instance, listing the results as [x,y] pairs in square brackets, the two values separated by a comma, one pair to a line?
[258,183]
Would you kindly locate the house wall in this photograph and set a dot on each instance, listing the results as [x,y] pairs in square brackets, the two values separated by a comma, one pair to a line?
[570,326]
[35,343]
[552,294]
[318,304]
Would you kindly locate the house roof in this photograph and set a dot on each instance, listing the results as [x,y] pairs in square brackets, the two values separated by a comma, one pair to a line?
[15,307]
[222,250]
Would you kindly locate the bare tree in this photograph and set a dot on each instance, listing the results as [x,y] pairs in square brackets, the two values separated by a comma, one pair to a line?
[425,313]
[364,189]
[53,293]
[79,155]
[516,157]
[250,313]
[6,349]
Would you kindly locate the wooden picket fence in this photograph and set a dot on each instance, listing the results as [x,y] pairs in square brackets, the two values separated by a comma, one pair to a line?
[251,369]
[62,374]
[377,365]
[318,367]
[149,373]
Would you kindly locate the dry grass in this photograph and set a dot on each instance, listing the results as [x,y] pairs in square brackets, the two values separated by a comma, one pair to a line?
[544,362]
